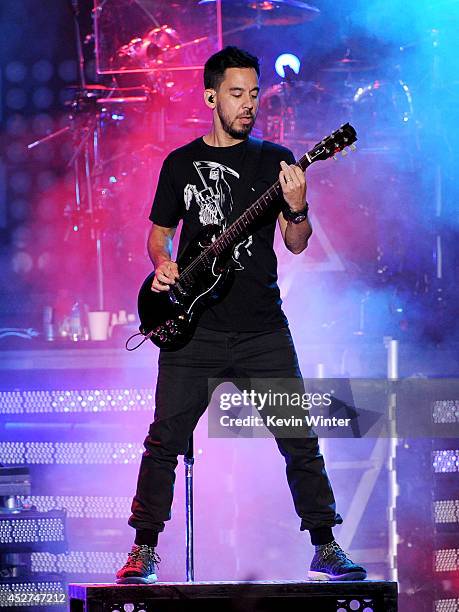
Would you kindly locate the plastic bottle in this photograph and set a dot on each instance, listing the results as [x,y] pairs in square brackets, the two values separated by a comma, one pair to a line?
[76,329]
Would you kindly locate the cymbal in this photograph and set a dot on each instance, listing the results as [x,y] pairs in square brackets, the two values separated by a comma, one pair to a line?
[197,122]
[97,87]
[347,64]
[91,87]
[122,100]
[270,12]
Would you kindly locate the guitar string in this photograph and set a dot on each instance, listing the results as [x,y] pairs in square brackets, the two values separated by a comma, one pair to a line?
[263,200]
[307,159]
[241,223]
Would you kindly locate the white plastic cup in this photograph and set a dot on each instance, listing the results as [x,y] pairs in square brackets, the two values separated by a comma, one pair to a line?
[99,321]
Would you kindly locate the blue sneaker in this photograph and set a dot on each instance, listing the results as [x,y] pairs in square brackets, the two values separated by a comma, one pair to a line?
[140,567]
[331,563]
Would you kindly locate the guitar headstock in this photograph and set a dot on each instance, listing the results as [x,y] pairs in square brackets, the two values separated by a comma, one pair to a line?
[338,141]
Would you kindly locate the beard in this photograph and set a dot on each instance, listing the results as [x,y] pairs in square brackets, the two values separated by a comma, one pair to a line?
[229,128]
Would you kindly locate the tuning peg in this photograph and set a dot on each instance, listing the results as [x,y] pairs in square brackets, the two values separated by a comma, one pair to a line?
[344,152]
[353,147]
[335,157]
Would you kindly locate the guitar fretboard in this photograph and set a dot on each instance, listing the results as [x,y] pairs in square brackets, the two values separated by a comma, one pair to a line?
[233,233]
[337,141]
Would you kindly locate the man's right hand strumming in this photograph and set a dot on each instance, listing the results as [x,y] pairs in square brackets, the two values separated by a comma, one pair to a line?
[165,275]
[160,250]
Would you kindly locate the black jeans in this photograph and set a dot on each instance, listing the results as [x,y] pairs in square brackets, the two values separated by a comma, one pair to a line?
[182,397]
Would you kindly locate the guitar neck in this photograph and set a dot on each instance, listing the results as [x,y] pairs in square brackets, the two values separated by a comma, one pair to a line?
[329,146]
[238,228]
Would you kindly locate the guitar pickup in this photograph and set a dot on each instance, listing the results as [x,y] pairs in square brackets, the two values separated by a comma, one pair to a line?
[178,287]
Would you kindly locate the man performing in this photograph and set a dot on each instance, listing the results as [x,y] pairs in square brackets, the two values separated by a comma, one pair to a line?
[245,334]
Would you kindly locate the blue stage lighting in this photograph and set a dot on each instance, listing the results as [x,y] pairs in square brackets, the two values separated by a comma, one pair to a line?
[287,59]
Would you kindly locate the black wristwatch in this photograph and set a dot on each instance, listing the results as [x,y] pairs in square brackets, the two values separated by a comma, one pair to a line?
[295,217]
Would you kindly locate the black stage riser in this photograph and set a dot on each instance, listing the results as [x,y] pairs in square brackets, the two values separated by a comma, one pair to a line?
[368,596]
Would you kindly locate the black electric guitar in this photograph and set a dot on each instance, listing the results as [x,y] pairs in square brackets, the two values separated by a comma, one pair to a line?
[169,318]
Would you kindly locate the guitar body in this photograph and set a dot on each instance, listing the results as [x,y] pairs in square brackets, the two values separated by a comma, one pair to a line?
[170,317]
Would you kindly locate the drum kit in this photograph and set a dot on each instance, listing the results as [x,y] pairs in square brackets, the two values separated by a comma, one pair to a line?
[151,97]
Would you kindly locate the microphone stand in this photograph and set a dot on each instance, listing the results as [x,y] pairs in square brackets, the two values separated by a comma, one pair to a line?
[89,150]
[188,460]
[76,13]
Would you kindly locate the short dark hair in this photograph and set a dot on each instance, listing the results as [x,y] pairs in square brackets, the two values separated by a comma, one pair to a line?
[229,57]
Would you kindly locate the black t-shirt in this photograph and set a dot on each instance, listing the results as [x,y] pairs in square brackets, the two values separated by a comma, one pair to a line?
[202,184]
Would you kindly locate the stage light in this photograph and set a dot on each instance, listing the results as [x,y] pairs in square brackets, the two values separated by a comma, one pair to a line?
[33,531]
[68,70]
[446,411]
[16,98]
[42,124]
[42,70]
[287,59]
[16,152]
[446,461]
[44,181]
[12,452]
[70,453]
[39,453]
[446,511]
[447,605]
[21,237]
[16,125]
[19,211]
[20,182]
[11,402]
[15,72]
[74,400]
[43,97]
[447,560]
[21,262]
[46,262]
[78,562]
